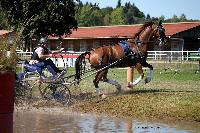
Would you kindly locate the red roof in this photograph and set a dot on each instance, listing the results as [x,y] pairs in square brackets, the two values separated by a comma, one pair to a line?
[126,30]
[121,30]
[105,31]
[174,28]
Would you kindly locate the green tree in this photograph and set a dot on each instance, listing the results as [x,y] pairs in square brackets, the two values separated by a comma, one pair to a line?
[119,4]
[183,18]
[83,15]
[148,17]
[107,19]
[106,15]
[40,17]
[129,13]
[162,18]
[96,18]
[117,17]
[174,19]
[133,14]
[3,21]
[89,15]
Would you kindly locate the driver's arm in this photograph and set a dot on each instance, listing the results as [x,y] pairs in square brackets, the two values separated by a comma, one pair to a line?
[57,51]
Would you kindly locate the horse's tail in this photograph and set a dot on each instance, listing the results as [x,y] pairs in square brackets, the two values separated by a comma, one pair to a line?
[80,65]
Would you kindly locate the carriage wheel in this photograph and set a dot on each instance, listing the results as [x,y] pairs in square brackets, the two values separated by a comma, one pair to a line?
[59,92]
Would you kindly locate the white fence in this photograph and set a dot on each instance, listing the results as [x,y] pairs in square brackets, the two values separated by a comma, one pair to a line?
[174,60]
[173,55]
[168,59]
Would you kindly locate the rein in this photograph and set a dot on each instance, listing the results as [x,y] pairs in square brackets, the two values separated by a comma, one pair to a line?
[103,68]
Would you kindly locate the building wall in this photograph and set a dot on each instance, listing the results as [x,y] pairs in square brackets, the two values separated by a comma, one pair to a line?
[191,44]
[80,45]
[191,38]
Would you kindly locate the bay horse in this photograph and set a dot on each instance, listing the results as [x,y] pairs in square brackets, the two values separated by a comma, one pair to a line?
[132,52]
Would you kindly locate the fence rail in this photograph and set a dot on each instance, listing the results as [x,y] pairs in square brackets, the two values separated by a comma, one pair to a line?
[173,55]
[168,59]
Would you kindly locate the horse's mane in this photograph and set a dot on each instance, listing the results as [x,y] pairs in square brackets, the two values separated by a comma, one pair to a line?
[146,24]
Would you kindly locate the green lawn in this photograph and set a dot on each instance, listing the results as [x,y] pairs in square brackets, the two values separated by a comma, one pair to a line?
[170,94]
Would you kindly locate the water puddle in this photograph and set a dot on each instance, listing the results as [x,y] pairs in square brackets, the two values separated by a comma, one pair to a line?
[41,122]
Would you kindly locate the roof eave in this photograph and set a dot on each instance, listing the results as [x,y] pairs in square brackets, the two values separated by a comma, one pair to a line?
[80,38]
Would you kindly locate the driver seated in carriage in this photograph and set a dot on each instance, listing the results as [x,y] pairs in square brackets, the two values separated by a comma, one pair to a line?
[39,59]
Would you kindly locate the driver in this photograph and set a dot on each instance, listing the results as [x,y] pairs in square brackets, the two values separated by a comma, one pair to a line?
[40,55]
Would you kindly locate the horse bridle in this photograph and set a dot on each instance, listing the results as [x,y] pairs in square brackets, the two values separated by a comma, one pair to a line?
[161,31]
[159,28]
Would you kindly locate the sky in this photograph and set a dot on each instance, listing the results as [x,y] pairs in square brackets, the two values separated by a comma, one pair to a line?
[157,8]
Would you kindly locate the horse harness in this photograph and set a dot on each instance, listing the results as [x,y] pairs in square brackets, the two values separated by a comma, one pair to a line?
[127,50]
[132,56]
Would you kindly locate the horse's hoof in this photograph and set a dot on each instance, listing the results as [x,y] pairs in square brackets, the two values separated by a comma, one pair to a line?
[102,96]
[119,90]
[130,85]
[147,80]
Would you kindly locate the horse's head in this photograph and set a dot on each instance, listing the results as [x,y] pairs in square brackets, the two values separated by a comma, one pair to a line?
[149,32]
[159,34]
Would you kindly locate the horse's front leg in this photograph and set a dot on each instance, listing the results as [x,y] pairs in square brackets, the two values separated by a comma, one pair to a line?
[140,71]
[151,74]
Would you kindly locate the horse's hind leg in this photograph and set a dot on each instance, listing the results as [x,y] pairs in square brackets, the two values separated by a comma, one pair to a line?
[96,80]
[112,82]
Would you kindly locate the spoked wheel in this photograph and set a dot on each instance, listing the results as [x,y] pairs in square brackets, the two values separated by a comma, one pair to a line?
[57,91]
[23,92]
[69,79]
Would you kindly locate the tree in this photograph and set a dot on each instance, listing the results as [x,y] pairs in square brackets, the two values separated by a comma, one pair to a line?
[107,19]
[89,15]
[117,17]
[119,4]
[40,17]
[96,18]
[174,19]
[183,18]
[148,17]
[106,13]
[3,20]
[132,14]
[162,18]
[83,15]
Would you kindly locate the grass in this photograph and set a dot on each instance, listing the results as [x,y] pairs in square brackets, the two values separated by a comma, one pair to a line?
[169,95]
